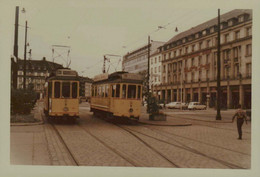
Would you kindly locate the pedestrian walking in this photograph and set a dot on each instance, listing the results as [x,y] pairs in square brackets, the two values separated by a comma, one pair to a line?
[241,117]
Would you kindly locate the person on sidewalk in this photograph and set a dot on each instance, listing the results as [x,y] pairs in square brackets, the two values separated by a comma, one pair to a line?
[241,117]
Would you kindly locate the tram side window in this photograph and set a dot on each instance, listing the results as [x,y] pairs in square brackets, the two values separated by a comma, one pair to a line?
[124,91]
[131,93]
[106,91]
[49,89]
[57,89]
[139,92]
[66,89]
[95,91]
[116,90]
[113,87]
[74,90]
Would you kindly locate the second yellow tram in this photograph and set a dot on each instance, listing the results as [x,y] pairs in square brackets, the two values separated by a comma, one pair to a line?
[117,95]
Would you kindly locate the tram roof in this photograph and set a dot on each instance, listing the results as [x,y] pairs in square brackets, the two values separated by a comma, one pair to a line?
[76,78]
[121,77]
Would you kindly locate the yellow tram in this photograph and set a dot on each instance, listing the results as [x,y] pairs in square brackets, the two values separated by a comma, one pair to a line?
[61,94]
[117,95]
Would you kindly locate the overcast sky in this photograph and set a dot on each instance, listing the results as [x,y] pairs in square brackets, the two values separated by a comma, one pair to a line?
[94,28]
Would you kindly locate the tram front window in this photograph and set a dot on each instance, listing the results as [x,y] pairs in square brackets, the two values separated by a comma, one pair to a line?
[65,89]
[74,90]
[131,93]
[57,90]
[139,92]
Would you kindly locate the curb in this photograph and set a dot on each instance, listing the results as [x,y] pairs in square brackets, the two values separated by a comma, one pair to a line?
[31,124]
[172,125]
[211,121]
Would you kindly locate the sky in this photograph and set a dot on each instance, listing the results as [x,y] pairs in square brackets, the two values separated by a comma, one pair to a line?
[95,28]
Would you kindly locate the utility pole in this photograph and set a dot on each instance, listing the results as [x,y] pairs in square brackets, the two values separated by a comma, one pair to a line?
[14,64]
[25,51]
[218,116]
[148,69]
[104,64]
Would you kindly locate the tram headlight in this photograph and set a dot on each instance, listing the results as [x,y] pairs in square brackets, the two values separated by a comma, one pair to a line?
[65,109]
[131,110]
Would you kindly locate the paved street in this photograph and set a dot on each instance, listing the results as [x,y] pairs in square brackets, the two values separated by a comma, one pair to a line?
[188,139]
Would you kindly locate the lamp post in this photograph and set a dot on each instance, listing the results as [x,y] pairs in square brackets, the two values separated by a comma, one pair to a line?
[25,51]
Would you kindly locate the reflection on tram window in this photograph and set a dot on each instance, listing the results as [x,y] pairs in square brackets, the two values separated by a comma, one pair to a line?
[139,92]
[74,90]
[131,93]
[124,91]
[66,89]
[57,89]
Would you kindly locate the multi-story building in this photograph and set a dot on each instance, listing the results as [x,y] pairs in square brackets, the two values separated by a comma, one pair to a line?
[189,65]
[85,87]
[137,60]
[155,69]
[36,72]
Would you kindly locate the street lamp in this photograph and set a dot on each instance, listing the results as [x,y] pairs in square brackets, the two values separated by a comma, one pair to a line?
[25,51]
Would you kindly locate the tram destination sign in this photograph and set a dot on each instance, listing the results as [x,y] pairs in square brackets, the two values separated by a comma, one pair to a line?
[132,76]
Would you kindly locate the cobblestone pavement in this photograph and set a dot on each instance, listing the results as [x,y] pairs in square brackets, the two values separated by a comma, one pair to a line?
[94,142]
[29,146]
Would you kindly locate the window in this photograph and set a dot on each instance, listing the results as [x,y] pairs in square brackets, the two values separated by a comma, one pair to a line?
[208,43]
[65,89]
[74,90]
[248,50]
[180,51]
[159,68]
[106,90]
[200,45]
[193,48]
[139,92]
[155,60]
[226,38]
[49,89]
[237,70]
[124,91]
[199,60]
[248,31]
[131,92]
[96,91]
[192,62]
[186,50]
[248,70]
[117,90]
[237,35]
[57,90]
[235,52]
[174,53]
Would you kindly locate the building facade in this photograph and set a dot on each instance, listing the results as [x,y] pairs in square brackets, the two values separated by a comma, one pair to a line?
[155,70]
[85,87]
[137,60]
[189,63]
[36,72]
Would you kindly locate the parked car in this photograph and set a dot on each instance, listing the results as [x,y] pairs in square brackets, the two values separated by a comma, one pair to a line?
[196,105]
[173,105]
[185,105]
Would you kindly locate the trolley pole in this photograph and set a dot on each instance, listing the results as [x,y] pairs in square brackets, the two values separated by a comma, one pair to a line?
[25,51]
[218,116]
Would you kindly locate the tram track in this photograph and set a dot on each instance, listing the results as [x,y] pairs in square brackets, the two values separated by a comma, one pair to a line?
[72,157]
[191,139]
[185,147]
